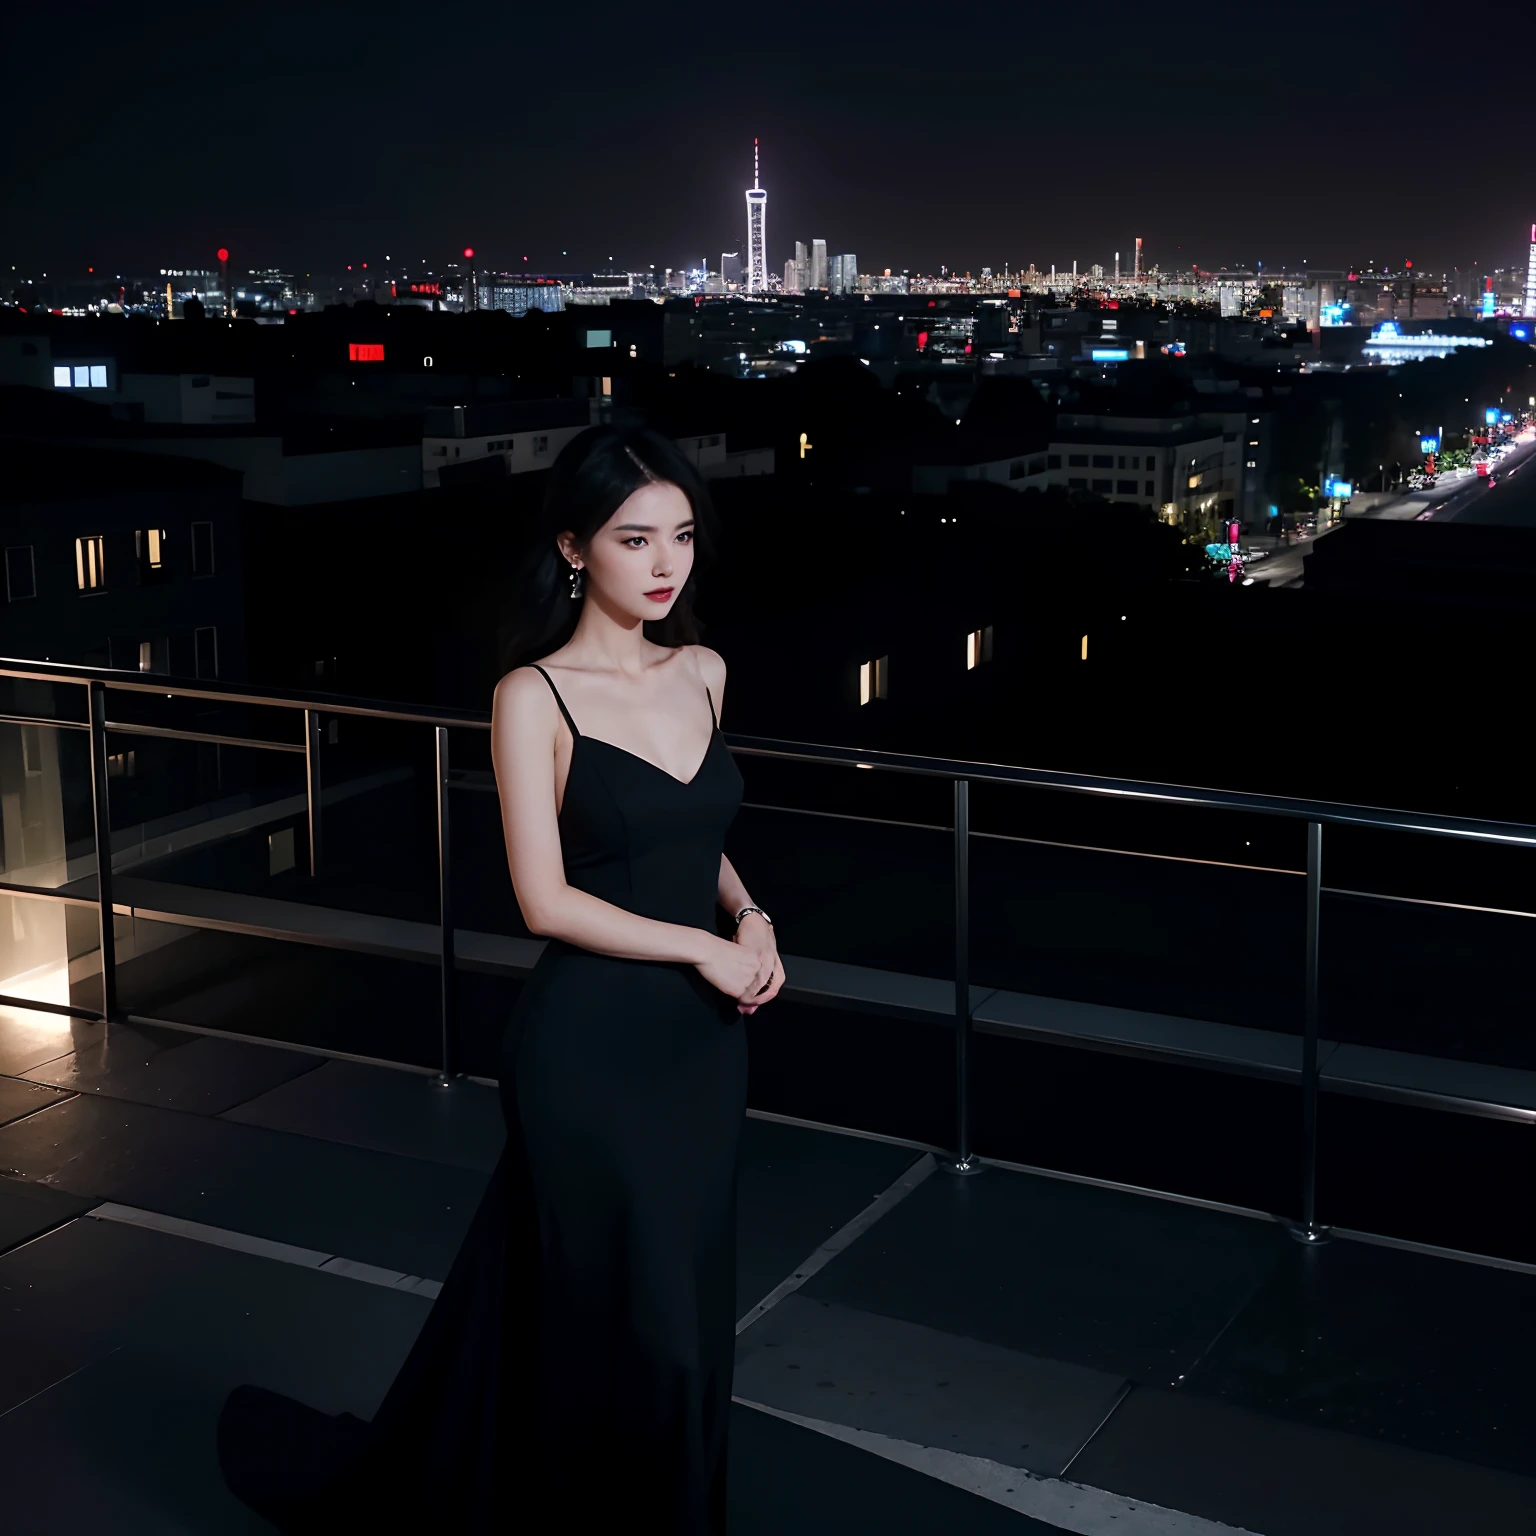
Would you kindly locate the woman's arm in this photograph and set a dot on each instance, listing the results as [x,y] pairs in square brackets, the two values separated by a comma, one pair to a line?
[752,932]
[524,725]
[732,893]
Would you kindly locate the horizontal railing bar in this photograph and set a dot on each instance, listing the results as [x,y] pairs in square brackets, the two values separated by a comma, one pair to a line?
[1013,837]
[1392,1093]
[1336,813]
[62,725]
[45,893]
[1425,901]
[244,693]
[460,781]
[95,1015]
[252,742]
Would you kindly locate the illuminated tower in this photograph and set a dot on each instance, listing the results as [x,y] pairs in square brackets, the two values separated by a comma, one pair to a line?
[757,236]
[1530,276]
[1136,273]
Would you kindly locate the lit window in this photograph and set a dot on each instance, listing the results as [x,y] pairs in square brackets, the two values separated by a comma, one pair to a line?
[82,377]
[62,378]
[150,545]
[98,375]
[872,679]
[91,562]
[1085,648]
[978,647]
[1253,463]
[120,765]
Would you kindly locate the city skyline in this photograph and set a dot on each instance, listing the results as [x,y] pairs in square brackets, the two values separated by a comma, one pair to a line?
[317,142]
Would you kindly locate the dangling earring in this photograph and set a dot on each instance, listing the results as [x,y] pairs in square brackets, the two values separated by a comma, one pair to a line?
[575,581]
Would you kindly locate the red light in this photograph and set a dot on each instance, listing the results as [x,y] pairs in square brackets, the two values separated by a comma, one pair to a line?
[90,269]
[1114,304]
[223,253]
[365,351]
[1408,264]
[922,340]
[469,253]
[967,346]
[365,266]
[293,311]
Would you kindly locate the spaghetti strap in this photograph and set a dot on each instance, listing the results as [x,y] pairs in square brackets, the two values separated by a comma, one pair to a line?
[561,702]
[713,717]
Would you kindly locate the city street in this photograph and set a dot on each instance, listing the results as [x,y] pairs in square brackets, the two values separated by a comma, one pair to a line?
[1512,500]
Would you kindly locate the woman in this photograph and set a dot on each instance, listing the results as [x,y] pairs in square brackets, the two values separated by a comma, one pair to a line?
[576,1369]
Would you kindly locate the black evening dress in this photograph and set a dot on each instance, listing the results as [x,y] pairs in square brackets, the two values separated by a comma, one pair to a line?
[575,1371]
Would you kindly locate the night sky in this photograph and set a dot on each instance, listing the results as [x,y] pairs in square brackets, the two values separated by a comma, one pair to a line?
[307,136]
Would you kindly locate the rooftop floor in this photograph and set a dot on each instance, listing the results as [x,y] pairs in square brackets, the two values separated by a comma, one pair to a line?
[1011,1351]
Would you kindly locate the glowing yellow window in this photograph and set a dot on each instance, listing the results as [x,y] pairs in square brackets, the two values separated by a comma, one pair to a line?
[91,562]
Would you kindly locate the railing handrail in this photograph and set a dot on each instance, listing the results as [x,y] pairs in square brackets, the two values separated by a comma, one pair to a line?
[1315,813]
[1327,812]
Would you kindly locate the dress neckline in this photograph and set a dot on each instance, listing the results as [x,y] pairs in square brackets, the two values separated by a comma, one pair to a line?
[687,783]
[613,746]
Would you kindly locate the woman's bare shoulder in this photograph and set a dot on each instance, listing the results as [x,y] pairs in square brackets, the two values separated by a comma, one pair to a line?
[521,690]
[711,665]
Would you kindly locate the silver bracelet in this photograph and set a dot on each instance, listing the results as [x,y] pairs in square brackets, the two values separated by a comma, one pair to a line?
[759,912]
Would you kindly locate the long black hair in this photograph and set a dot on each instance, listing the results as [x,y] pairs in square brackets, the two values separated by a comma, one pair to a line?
[593,476]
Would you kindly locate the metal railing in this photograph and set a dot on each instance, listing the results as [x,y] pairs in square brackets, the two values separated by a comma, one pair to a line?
[1316,814]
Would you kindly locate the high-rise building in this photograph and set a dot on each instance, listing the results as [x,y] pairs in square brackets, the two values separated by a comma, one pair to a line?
[1530,276]
[1136,273]
[757,231]
[818,264]
[791,276]
[844,274]
[730,268]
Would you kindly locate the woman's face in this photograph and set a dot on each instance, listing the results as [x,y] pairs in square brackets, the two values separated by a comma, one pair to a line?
[638,561]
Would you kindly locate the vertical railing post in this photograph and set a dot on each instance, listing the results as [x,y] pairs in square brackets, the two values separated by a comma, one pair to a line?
[102,833]
[1308,1230]
[445,909]
[312,786]
[962,1162]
